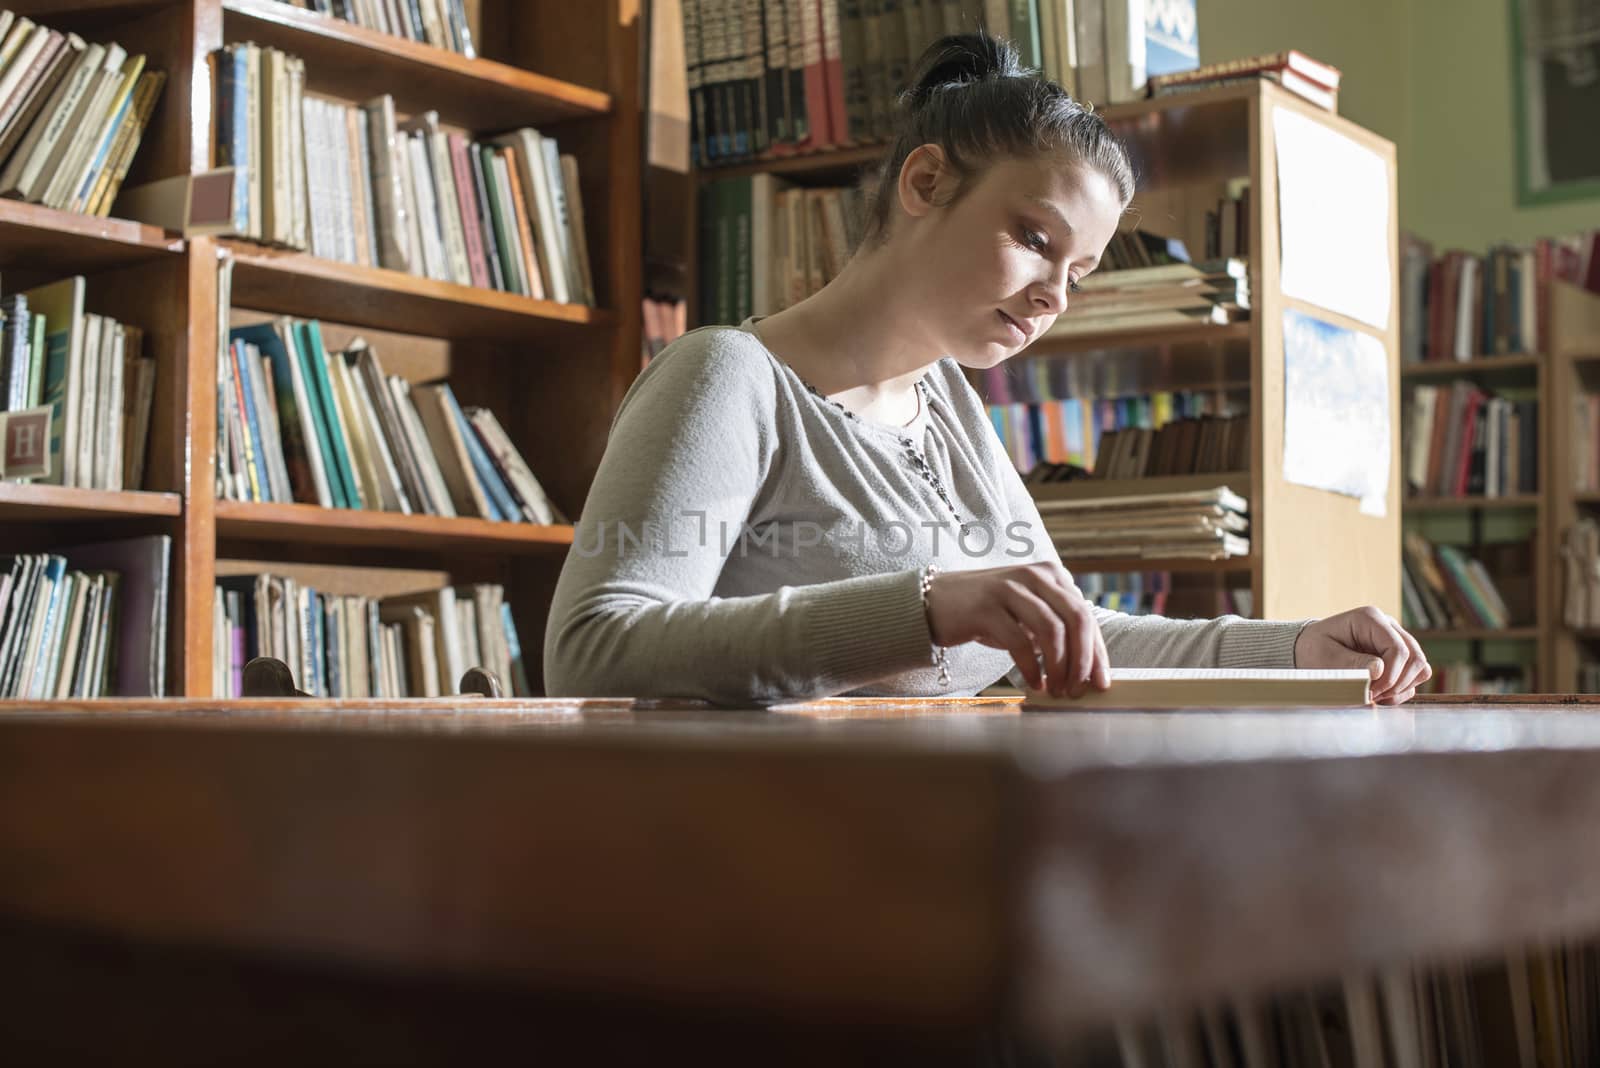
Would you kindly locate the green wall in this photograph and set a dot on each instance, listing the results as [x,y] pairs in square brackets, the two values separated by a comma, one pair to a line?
[1433,76]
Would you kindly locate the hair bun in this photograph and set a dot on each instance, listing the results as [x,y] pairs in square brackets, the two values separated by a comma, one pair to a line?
[960,59]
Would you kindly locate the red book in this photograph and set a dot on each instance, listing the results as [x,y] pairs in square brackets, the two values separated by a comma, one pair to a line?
[476,261]
[833,71]
[1469,434]
[820,134]
[1291,60]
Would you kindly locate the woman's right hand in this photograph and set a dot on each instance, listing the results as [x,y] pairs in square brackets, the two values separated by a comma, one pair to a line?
[1031,611]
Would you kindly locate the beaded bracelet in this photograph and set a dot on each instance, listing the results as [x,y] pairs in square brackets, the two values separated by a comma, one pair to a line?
[938,650]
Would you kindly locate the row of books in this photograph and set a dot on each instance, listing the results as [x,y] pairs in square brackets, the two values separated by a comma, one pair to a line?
[1463,677]
[1580,565]
[1171,294]
[1153,593]
[348,645]
[1297,72]
[1070,430]
[1464,442]
[88,621]
[665,320]
[766,244]
[72,114]
[353,184]
[441,23]
[90,372]
[1203,445]
[1532,1006]
[299,423]
[1444,588]
[1200,525]
[1461,306]
[775,77]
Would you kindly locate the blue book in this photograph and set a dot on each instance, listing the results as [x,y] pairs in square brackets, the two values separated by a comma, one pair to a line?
[316,358]
[500,500]
[100,154]
[55,568]
[333,608]
[252,419]
[319,660]
[292,422]
[519,673]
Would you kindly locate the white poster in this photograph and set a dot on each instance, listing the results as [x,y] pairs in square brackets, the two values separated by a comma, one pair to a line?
[1333,214]
[1335,410]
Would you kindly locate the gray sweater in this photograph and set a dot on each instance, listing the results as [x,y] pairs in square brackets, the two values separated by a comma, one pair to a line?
[747,542]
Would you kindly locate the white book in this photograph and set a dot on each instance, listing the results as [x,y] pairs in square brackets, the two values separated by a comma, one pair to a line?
[421,447]
[433,253]
[33,42]
[1217,688]
[299,203]
[73,144]
[63,640]
[369,485]
[88,401]
[316,177]
[108,445]
[447,199]
[93,616]
[116,88]
[1466,302]
[530,494]
[561,211]
[394,494]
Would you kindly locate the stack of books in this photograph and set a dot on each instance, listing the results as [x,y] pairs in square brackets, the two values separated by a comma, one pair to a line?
[339,645]
[1461,306]
[85,622]
[90,371]
[441,23]
[767,244]
[298,423]
[1172,294]
[1462,441]
[354,184]
[1228,227]
[1443,588]
[1200,525]
[72,115]
[1295,71]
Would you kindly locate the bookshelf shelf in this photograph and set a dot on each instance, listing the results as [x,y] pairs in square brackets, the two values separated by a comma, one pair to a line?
[840,164]
[350,61]
[1477,634]
[25,501]
[1096,488]
[38,238]
[277,280]
[1467,504]
[1481,365]
[1230,566]
[1149,337]
[309,524]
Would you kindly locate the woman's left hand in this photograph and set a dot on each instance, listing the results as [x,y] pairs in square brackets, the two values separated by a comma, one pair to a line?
[1371,640]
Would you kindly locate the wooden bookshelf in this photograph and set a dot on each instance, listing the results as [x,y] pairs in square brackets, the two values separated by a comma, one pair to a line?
[1480,634]
[298,283]
[1479,366]
[309,524]
[553,373]
[1147,337]
[29,501]
[1468,504]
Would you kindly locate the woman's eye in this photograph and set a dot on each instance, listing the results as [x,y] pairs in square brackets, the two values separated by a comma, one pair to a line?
[1073,287]
[1034,240]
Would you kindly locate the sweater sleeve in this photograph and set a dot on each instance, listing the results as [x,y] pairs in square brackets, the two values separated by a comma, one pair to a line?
[1228,641]
[692,445]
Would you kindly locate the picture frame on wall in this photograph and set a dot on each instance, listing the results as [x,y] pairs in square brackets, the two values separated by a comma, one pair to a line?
[1555,70]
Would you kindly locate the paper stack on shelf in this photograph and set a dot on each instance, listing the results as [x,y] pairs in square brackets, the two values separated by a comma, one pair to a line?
[1208,524]
[1168,294]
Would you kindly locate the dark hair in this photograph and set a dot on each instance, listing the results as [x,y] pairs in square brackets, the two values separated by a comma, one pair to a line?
[973,99]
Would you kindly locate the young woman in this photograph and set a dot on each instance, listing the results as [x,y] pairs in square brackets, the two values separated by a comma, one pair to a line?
[815,503]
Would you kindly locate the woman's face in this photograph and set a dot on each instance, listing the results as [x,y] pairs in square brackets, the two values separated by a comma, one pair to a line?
[1000,261]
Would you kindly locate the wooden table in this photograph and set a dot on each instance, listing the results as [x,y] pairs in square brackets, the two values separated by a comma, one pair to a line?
[422,882]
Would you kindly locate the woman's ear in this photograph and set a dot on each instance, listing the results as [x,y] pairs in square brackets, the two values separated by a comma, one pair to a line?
[922,178]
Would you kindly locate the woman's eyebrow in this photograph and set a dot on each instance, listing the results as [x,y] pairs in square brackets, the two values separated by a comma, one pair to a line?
[1046,205]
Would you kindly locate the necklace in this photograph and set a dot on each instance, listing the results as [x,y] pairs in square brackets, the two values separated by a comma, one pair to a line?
[917,460]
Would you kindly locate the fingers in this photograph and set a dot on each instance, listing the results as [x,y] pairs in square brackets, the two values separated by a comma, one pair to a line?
[1399,697]
[1387,643]
[1418,670]
[1008,633]
[1085,658]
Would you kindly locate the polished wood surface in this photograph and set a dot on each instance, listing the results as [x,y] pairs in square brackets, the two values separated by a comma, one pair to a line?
[919,865]
[28,501]
[37,238]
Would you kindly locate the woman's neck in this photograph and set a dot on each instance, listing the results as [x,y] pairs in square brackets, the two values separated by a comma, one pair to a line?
[856,340]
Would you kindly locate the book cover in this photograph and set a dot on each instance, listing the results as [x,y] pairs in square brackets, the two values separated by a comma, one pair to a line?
[1215,688]
[296,422]
[315,360]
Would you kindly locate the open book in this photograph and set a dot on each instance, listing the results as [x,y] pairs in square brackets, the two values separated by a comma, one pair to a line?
[1138,688]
